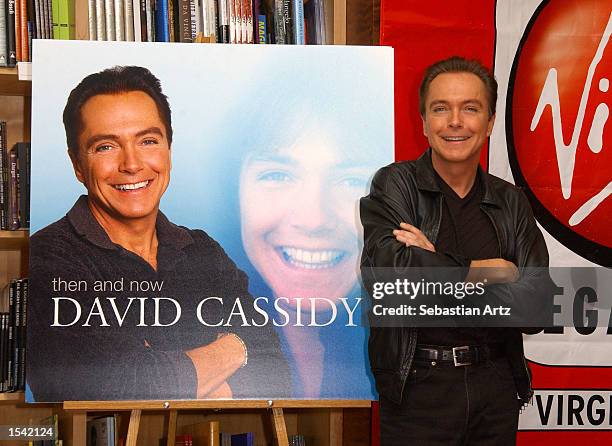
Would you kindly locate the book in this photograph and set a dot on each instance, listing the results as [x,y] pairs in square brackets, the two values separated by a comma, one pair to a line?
[297,20]
[245,439]
[161,21]
[223,31]
[136,20]
[100,20]
[128,20]
[185,21]
[101,431]
[3,34]
[109,19]
[13,185]
[23,23]
[11,37]
[172,20]
[23,168]
[119,9]
[91,20]
[3,185]
[66,19]
[150,19]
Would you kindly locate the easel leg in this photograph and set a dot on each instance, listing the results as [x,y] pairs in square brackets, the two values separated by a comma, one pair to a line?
[335,427]
[132,435]
[172,427]
[280,427]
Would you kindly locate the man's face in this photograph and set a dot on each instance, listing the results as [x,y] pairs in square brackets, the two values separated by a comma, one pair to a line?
[297,207]
[457,121]
[124,156]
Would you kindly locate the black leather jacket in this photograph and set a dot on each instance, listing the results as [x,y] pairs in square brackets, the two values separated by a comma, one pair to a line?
[408,192]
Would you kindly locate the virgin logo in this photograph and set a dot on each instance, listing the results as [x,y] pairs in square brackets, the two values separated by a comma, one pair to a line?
[557,115]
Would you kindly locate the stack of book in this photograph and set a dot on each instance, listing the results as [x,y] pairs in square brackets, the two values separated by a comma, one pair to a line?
[24,20]
[13,310]
[15,183]
[221,21]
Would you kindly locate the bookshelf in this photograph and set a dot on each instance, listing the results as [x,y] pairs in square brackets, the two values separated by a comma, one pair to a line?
[323,423]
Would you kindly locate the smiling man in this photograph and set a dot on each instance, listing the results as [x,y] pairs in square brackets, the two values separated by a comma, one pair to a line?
[119,137]
[440,385]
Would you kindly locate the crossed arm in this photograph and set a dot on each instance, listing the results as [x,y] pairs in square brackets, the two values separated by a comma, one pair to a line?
[495,270]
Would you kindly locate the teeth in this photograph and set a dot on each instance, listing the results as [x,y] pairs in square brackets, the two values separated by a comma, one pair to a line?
[455,138]
[312,259]
[131,186]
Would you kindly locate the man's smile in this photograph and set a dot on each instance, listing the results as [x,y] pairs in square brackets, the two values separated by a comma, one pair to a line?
[132,186]
[311,259]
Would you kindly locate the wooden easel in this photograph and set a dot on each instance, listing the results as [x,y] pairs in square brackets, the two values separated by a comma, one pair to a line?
[276,406]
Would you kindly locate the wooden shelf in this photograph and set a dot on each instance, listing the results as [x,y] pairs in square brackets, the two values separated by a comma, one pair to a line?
[10,85]
[20,234]
[14,397]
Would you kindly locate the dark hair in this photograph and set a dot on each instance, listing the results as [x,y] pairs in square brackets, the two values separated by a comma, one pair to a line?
[120,79]
[458,64]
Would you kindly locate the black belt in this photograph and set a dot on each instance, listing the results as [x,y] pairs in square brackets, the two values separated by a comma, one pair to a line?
[459,356]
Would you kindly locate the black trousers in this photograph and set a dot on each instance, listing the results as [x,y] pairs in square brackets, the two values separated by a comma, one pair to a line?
[446,405]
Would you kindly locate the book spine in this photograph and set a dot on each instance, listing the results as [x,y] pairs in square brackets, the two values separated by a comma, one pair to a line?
[25,40]
[3,191]
[213,23]
[11,337]
[231,12]
[144,37]
[38,19]
[100,20]
[13,213]
[128,20]
[23,291]
[55,5]
[196,21]
[3,358]
[48,18]
[119,7]
[31,13]
[136,20]
[185,21]
[109,16]
[171,21]
[223,28]
[10,33]
[18,30]
[161,21]
[66,19]
[150,21]
[91,20]
[23,166]
[297,21]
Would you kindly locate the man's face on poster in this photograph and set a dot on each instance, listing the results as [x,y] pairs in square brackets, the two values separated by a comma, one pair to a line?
[124,155]
[298,217]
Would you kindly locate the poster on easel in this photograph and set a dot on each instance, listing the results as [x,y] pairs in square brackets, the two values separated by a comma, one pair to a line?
[194,219]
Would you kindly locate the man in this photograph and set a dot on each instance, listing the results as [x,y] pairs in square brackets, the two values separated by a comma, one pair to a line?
[94,333]
[452,386]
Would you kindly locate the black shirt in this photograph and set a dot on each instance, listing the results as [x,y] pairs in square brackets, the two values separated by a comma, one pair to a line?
[466,230]
[136,360]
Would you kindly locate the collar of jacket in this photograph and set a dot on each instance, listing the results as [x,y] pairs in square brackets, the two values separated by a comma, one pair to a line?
[426,180]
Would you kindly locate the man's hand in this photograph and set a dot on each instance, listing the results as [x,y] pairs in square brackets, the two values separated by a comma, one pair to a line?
[215,363]
[492,271]
[412,236]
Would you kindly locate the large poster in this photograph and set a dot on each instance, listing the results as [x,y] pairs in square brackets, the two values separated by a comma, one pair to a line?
[205,245]
[552,62]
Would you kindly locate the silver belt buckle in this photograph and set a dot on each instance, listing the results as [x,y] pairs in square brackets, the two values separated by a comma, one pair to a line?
[460,349]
